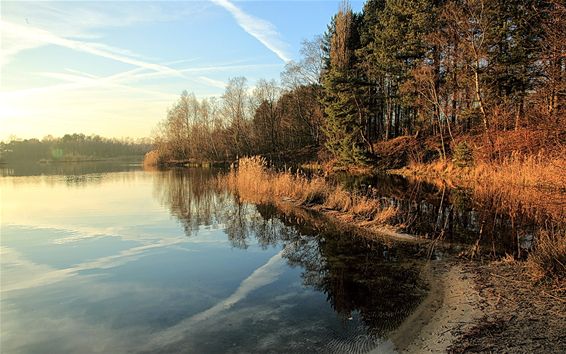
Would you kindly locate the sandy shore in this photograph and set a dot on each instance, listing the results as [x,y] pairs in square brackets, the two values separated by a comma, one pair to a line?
[450,307]
[484,308]
[472,306]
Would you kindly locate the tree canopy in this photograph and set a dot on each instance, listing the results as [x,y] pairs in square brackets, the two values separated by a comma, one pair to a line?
[399,67]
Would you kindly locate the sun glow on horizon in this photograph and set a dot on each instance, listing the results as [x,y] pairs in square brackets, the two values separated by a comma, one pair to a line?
[114,69]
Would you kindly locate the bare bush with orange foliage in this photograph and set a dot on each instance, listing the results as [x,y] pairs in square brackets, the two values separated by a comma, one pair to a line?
[151,159]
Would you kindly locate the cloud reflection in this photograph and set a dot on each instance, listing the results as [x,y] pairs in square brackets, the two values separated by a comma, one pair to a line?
[262,276]
[25,274]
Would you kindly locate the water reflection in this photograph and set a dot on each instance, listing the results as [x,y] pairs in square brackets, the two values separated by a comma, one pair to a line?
[16,169]
[379,282]
[189,196]
[164,261]
[497,222]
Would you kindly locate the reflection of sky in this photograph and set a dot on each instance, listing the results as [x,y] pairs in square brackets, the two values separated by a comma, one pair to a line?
[104,268]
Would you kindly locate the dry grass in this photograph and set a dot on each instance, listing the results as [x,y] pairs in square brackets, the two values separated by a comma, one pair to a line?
[548,259]
[521,158]
[541,170]
[151,159]
[518,185]
[339,199]
[256,183]
[386,215]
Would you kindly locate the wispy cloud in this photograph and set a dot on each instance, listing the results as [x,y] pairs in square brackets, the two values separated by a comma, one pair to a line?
[262,30]
[85,21]
[208,69]
[46,37]
[87,80]
[74,80]
[212,82]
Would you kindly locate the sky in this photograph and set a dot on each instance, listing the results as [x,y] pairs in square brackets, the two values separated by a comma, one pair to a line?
[113,68]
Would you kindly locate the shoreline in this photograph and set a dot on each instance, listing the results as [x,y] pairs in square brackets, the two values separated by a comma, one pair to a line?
[455,308]
[451,307]
[458,312]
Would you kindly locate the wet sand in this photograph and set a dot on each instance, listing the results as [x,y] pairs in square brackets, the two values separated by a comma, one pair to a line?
[473,306]
[450,307]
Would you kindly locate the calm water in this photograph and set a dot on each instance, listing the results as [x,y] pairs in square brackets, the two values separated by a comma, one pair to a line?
[479,222]
[110,258]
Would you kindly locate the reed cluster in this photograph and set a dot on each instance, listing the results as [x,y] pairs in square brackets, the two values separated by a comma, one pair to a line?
[151,159]
[255,182]
[541,170]
[548,259]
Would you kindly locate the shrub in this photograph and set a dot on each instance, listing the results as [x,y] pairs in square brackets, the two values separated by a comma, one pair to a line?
[463,156]
[548,259]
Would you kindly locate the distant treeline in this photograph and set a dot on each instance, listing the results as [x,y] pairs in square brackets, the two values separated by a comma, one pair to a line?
[427,68]
[71,147]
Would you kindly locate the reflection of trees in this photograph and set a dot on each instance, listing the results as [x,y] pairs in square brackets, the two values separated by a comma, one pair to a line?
[189,195]
[237,223]
[356,274]
[67,168]
[494,219]
[77,179]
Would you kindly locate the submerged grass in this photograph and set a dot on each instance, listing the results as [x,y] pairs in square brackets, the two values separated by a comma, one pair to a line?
[519,184]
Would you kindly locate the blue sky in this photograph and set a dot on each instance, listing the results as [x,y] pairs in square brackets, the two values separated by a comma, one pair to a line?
[114,68]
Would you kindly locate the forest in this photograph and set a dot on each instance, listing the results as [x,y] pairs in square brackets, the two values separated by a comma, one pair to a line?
[468,77]
[71,147]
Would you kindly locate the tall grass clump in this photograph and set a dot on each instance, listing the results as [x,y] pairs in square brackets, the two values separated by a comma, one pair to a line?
[255,182]
[151,159]
[548,258]
[339,199]
[541,170]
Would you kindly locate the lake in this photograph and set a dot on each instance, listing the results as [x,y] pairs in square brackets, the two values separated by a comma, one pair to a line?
[110,258]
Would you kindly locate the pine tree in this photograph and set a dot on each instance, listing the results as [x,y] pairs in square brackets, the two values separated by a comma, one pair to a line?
[343,125]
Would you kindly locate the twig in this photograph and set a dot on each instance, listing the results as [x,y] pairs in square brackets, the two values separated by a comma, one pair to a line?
[554,297]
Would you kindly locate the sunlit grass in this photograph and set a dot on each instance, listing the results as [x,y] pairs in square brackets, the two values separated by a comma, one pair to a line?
[513,195]
[531,185]
[151,159]
[548,259]
[255,182]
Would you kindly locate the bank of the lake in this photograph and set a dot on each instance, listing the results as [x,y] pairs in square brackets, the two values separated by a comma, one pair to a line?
[458,314]
[472,305]
[452,304]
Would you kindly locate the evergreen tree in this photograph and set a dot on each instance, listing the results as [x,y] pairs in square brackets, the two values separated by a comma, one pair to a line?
[343,125]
